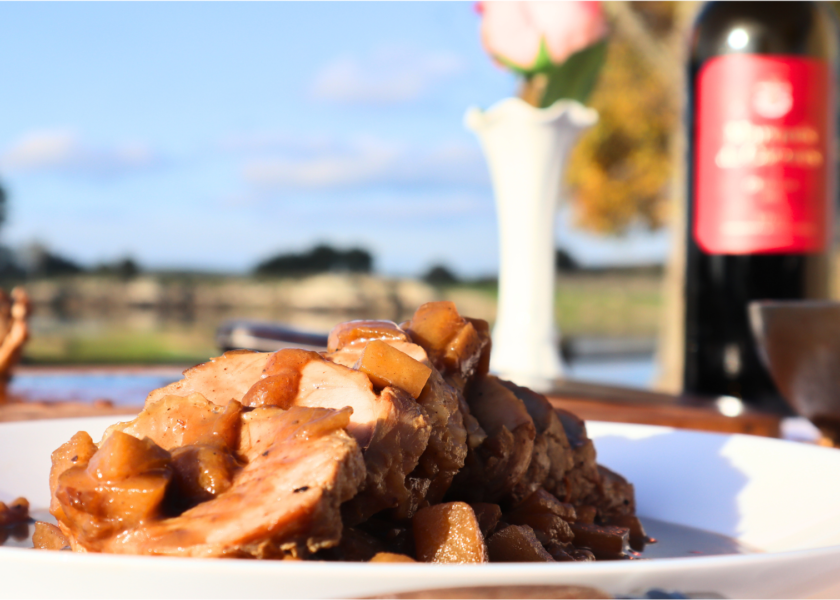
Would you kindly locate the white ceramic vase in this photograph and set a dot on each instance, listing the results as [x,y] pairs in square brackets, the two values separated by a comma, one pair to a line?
[526,150]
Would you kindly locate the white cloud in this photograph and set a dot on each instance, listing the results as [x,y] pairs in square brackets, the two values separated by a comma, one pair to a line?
[325,172]
[275,142]
[63,151]
[368,162]
[389,76]
[390,208]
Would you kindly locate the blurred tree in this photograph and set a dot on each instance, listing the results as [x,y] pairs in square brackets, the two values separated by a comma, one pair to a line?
[320,259]
[9,268]
[38,261]
[564,261]
[440,275]
[126,268]
[3,199]
[621,170]
[630,167]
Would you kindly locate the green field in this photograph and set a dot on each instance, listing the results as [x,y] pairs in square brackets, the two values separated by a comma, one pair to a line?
[587,304]
[115,343]
[609,305]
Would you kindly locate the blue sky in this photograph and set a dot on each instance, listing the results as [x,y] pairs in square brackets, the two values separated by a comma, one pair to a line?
[213,135]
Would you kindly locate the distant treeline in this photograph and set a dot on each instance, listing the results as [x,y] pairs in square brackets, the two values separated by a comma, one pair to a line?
[321,259]
[36,262]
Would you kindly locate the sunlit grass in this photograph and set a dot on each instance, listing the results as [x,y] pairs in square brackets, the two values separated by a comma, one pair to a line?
[123,346]
[614,306]
[610,305]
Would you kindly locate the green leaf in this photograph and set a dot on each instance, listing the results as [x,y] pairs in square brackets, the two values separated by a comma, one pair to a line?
[576,77]
[542,63]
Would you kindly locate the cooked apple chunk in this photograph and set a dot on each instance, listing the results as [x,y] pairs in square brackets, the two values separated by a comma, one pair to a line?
[448,533]
[457,346]
[517,543]
[605,541]
[17,512]
[390,557]
[546,515]
[387,366]
[48,537]
[122,456]
[361,332]
[123,485]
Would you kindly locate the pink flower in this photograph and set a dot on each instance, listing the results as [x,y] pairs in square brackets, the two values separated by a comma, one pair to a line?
[513,32]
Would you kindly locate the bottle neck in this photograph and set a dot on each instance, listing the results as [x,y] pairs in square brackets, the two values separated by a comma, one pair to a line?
[805,29]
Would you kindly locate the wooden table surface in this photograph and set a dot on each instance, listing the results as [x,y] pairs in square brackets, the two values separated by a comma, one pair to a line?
[594,402]
[587,400]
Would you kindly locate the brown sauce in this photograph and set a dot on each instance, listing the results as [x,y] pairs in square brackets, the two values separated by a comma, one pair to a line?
[678,541]
[19,535]
[672,541]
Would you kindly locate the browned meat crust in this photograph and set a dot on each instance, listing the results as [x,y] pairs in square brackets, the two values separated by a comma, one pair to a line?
[275,455]
[390,427]
[582,480]
[300,466]
[588,483]
[400,438]
[553,456]
[447,447]
[494,468]
[220,379]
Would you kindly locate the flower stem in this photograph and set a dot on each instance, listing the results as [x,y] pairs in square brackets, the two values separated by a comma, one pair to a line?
[533,88]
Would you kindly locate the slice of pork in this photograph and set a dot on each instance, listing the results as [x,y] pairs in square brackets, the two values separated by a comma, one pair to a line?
[300,465]
[617,496]
[493,470]
[553,456]
[582,482]
[220,379]
[447,448]
[460,350]
[175,421]
[390,427]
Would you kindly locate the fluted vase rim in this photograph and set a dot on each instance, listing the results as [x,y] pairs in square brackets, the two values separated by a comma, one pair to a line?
[516,109]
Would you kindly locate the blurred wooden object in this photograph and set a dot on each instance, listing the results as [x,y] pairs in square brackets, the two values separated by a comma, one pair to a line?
[14,331]
[594,402]
[505,591]
[799,343]
[21,410]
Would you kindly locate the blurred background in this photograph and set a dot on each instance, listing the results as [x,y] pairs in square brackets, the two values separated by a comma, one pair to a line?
[165,167]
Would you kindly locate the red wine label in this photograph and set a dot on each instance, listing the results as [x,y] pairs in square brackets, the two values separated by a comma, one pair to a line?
[763,156]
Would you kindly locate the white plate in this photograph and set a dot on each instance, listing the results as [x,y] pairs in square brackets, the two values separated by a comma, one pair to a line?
[780,497]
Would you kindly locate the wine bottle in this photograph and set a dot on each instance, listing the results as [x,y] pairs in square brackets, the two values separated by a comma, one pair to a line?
[761,130]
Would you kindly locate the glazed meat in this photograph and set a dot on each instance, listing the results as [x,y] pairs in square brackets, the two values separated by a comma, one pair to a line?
[458,347]
[617,497]
[298,466]
[174,421]
[553,456]
[582,481]
[495,468]
[348,455]
[220,379]
[447,448]
[294,377]
[390,427]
